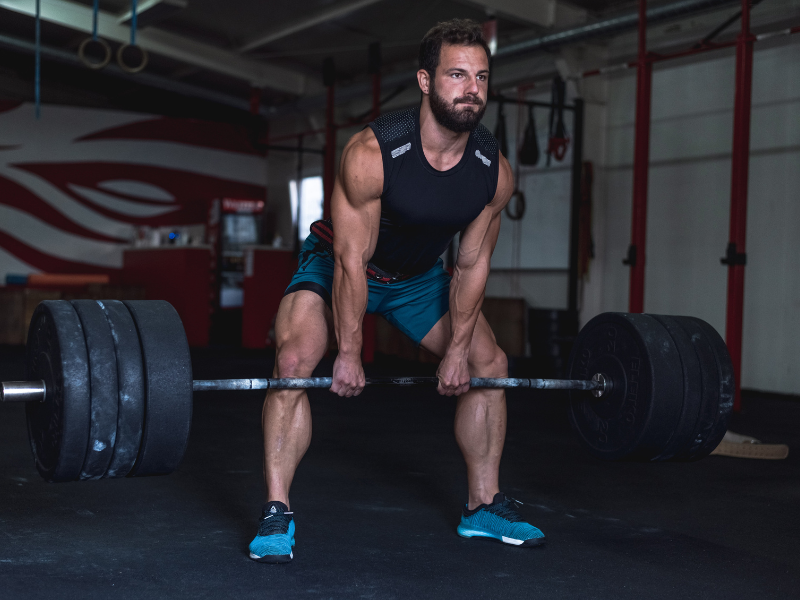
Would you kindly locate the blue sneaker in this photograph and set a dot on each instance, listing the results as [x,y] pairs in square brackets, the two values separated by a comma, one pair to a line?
[275,538]
[501,521]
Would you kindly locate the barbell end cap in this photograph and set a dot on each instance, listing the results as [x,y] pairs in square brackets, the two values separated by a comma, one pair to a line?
[22,391]
[604,387]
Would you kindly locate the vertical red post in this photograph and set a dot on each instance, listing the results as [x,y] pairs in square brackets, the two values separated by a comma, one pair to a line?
[329,166]
[736,257]
[374,69]
[641,161]
[369,327]
[255,100]
[376,96]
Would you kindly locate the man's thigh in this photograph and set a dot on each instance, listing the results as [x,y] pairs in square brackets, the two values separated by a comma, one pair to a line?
[303,330]
[482,349]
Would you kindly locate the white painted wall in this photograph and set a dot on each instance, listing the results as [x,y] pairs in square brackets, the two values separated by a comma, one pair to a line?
[689,204]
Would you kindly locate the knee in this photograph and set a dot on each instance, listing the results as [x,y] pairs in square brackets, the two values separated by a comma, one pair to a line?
[491,362]
[292,362]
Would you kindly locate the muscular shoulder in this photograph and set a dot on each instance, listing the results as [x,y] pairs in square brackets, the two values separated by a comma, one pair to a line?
[361,167]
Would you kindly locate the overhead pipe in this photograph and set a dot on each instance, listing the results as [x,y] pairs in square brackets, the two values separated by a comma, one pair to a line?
[609,26]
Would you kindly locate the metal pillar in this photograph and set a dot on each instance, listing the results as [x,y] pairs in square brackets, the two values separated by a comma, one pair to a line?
[329,167]
[641,160]
[369,326]
[736,258]
[575,209]
[374,69]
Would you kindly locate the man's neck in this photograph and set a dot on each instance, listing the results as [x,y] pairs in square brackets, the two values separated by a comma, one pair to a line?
[442,147]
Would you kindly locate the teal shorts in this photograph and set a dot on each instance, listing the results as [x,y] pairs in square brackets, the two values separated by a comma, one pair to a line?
[413,305]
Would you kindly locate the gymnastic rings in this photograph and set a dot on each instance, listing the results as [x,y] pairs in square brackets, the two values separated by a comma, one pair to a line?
[131,68]
[518,201]
[90,44]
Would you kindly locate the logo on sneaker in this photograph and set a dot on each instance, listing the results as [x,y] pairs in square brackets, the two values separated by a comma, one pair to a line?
[273,509]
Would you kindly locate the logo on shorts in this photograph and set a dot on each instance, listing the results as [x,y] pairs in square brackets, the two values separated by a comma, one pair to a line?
[485,160]
[401,150]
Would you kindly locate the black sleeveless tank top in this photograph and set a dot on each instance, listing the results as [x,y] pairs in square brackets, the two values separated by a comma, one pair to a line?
[421,208]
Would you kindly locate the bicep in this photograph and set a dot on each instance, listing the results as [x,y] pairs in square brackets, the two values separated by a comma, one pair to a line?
[355,206]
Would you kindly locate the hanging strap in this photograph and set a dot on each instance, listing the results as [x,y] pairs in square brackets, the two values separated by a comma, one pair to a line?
[133,22]
[559,140]
[38,69]
[500,130]
[95,12]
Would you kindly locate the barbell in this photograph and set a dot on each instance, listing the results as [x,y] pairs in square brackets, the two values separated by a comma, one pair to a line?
[109,388]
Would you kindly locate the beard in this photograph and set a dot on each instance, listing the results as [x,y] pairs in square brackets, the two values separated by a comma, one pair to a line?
[450,117]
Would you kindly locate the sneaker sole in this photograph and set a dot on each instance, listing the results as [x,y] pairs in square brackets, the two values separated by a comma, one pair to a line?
[469,533]
[273,559]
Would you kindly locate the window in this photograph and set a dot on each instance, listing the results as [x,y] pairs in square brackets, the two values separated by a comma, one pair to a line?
[310,203]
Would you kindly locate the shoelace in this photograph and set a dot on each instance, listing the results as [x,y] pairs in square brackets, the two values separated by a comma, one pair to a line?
[275,523]
[507,509]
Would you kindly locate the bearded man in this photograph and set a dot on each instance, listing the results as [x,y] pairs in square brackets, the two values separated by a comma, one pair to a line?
[406,185]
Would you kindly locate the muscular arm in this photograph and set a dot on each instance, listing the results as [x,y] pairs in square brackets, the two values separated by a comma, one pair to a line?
[469,284]
[356,209]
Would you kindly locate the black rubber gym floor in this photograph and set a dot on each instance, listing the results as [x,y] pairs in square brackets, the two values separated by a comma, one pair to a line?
[377,500]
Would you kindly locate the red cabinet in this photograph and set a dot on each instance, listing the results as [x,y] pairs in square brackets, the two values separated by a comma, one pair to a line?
[267,272]
[182,276]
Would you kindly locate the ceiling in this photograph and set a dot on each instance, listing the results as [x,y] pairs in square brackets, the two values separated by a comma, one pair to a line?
[227,47]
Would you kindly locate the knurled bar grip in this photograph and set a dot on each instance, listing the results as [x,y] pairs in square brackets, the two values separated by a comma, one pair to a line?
[325,382]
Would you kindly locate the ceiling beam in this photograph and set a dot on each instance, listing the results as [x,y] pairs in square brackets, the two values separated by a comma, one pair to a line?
[79,17]
[545,13]
[150,12]
[283,30]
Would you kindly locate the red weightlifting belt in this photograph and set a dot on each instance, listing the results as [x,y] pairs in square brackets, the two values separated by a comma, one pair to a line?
[323,229]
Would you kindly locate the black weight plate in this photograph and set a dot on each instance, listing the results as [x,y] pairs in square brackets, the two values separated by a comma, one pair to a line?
[693,389]
[103,385]
[130,380]
[715,415]
[635,420]
[168,386]
[58,428]
[710,388]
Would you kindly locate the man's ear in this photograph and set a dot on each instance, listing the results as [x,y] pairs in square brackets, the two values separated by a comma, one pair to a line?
[424,81]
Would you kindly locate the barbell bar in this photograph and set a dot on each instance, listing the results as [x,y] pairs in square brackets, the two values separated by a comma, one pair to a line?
[110,389]
[36,391]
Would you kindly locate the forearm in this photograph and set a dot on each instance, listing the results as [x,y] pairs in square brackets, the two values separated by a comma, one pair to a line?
[467,289]
[350,296]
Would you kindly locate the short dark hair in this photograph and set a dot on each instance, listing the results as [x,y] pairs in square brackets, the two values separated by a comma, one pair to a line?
[462,32]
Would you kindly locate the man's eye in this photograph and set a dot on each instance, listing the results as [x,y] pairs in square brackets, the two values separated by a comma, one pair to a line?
[482,77]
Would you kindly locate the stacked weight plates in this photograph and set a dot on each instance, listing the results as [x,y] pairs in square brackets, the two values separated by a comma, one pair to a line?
[118,385]
[672,387]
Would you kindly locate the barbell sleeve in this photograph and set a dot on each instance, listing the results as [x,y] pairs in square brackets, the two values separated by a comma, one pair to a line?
[22,391]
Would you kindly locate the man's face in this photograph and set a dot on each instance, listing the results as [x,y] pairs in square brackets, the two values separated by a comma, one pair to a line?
[460,87]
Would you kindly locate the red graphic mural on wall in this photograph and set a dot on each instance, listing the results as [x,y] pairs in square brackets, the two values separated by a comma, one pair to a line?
[76,185]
